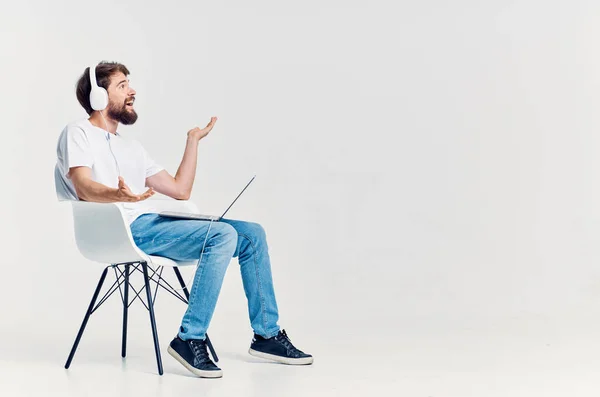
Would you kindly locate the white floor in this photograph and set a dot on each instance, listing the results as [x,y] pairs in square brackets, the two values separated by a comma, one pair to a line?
[519,358]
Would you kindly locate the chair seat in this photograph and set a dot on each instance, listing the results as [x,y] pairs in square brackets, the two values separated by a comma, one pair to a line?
[162,261]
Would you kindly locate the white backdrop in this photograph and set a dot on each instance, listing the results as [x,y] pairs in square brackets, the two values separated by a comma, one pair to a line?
[423,168]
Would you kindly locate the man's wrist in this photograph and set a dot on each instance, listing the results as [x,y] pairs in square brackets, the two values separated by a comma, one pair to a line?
[192,140]
[115,194]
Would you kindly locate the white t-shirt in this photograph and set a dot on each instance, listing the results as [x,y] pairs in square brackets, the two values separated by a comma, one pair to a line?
[83,144]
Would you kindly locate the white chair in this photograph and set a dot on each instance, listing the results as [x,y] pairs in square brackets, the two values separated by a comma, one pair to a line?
[103,235]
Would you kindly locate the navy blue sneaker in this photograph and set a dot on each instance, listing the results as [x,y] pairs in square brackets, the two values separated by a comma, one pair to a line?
[279,348]
[193,355]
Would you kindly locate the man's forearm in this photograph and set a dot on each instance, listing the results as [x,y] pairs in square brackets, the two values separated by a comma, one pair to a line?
[186,173]
[96,192]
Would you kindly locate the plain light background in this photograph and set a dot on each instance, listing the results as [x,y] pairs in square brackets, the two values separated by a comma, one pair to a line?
[427,174]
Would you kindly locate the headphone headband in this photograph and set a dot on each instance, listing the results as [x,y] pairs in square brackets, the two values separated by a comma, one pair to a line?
[93,81]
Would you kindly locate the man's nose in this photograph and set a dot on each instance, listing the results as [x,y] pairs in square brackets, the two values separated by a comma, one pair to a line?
[132,92]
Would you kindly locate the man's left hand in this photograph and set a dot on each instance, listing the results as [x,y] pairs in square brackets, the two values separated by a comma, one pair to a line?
[199,133]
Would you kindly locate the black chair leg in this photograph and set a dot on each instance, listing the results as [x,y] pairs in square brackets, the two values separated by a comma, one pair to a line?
[182,283]
[86,318]
[152,320]
[212,350]
[125,306]
[187,295]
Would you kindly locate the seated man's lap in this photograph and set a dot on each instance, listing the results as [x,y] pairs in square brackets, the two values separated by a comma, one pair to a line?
[178,239]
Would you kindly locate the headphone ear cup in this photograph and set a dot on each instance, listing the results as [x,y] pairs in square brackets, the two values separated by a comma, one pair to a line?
[98,98]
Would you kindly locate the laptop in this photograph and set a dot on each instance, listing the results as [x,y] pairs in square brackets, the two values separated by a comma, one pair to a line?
[190,216]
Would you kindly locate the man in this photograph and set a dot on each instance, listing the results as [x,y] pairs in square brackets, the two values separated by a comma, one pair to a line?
[96,163]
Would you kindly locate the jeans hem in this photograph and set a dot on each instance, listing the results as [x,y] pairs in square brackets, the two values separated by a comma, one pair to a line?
[269,335]
[186,339]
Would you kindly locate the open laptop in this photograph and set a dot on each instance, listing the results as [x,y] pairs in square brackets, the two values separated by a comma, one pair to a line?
[187,215]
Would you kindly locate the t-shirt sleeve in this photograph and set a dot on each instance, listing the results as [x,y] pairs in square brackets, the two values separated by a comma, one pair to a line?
[73,150]
[151,166]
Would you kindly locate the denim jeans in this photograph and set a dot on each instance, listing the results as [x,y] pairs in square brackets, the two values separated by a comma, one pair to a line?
[182,240]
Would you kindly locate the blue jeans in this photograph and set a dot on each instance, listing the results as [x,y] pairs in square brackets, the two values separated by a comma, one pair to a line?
[183,239]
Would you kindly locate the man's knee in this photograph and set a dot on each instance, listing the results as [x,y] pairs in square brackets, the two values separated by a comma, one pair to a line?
[223,237]
[256,231]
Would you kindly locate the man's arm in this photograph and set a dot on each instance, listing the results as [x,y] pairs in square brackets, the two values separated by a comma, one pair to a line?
[89,190]
[180,186]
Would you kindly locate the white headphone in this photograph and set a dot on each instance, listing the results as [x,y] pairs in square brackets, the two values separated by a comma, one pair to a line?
[98,95]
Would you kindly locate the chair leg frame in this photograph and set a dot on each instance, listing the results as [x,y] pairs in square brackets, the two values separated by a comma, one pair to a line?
[123,278]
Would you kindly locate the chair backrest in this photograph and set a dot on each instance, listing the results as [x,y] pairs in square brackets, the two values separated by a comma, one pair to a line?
[63,190]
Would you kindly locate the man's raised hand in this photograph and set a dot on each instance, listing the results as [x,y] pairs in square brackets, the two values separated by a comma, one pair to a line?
[199,133]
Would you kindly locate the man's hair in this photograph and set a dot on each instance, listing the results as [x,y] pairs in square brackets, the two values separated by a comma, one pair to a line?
[104,71]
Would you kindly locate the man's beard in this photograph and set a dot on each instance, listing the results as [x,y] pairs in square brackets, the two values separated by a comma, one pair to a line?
[122,114]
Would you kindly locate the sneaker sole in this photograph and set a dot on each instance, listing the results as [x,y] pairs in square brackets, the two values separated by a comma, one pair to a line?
[195,371]
[279,359]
